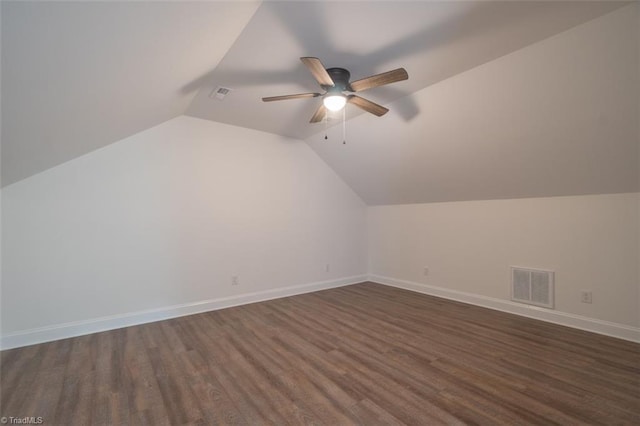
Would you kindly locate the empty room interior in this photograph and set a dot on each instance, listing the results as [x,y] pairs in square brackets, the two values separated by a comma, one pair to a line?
[320,212]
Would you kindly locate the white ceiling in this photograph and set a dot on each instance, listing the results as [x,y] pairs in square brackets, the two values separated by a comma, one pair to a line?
[78,76]
[431,40]
[560,117]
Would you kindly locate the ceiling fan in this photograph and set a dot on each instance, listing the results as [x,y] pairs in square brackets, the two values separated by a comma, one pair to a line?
[338,89]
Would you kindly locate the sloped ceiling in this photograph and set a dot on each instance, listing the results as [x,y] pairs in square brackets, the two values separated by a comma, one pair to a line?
[77,76]
[431,40]
[560,117]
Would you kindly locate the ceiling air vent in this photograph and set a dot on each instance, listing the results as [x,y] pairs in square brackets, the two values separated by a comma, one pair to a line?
[532,286]
[219,93]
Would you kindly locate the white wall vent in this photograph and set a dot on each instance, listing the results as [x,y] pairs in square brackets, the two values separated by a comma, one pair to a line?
[219,93]
[532,286]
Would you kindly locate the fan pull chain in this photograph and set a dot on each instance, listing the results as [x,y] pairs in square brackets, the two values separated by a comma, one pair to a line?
[326,126]
[344,125]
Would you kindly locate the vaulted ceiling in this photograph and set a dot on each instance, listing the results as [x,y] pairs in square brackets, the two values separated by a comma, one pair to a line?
[77,76]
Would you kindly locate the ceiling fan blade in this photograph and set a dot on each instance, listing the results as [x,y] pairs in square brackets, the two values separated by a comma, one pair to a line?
[318,70]
[285,97]
[367,105]
[379,80]
[318,116]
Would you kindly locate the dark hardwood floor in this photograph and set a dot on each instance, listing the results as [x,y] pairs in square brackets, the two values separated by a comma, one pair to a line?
[363,354]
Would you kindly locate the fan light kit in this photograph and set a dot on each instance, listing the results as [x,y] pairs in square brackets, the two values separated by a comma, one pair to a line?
[334,102]
[338,89]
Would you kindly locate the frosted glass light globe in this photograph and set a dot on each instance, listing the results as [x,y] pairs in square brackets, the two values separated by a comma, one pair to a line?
[334,102]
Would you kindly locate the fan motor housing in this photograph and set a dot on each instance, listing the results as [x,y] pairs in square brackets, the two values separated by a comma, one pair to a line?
[340,77]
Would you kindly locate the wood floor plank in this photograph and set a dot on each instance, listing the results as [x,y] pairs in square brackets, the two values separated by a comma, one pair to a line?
[364,354]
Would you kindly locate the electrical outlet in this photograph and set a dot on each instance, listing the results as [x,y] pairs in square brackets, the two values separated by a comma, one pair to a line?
[586,296]
[327,267]
[235,280]
[425,271]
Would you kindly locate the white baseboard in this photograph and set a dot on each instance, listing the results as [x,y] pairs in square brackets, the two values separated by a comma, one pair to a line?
[612,329]
[95,325]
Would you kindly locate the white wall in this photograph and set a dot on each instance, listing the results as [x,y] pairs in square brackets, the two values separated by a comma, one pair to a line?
[166,217]
[559,117]
[591,242]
